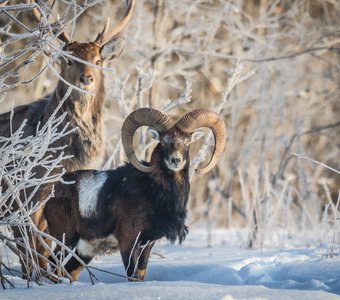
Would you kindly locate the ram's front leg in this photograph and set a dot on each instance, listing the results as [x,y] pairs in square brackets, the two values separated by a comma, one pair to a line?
[129,251]
[135,257]
[144,254]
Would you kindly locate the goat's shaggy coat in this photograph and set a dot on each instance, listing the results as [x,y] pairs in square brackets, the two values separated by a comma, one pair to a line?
[132,206]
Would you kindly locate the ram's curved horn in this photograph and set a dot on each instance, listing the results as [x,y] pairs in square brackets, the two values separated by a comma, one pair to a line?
[105,35]
[142,117]
[206,118]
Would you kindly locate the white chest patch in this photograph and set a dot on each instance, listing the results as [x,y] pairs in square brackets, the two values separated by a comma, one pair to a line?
[89,188]
[101,246]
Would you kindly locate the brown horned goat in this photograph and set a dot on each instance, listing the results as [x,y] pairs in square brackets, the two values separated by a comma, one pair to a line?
[83,110]
[131,207]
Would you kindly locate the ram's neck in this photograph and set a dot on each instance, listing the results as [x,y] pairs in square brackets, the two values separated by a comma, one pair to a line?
[173,186]
[171,193]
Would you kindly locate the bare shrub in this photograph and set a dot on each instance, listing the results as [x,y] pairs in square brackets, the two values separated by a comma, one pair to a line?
[20,156]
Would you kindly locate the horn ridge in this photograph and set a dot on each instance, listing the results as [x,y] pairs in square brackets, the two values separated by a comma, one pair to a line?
[206,118]
[142,117]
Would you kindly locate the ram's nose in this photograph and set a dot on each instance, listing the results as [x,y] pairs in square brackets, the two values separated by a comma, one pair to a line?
[176,160]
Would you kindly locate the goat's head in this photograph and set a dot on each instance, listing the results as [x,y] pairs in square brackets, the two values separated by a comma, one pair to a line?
[174,138]
[174,148]
[77,66]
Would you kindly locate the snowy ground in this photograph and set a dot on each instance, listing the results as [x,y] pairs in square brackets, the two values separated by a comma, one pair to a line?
[193,271]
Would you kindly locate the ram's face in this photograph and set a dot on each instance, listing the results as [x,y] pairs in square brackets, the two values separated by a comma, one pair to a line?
[175,149]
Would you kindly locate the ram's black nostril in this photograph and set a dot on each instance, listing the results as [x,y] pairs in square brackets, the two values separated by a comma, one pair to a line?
[175,160]
[86,79]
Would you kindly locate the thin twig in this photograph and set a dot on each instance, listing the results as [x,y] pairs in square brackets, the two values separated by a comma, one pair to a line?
[317,162]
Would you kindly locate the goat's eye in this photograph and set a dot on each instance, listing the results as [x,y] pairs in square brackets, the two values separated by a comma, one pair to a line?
[69,62]
[165,140]
[98,62]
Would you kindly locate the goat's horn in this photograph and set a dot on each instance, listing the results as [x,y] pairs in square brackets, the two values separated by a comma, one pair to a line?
[206,118]
[104,36]
[142,117]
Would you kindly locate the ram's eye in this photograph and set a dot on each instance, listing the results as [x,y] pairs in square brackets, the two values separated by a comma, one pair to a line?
[98,62]
[69,62]
[165,140]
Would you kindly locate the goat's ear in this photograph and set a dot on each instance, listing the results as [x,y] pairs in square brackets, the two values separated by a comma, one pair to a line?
[196,135]
[113,48]
[153,133]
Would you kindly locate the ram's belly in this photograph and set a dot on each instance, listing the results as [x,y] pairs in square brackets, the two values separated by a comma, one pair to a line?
[101,246]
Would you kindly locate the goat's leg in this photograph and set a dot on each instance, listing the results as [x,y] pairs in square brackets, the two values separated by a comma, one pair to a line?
[74,267]
[55,263]
[135,258]
[144,254]
[70,240]
[130,252]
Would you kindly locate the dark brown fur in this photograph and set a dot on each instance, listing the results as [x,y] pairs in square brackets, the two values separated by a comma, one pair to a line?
[134,207]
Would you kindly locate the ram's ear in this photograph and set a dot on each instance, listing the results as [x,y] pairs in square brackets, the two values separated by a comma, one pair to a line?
[196,135]
[153,133]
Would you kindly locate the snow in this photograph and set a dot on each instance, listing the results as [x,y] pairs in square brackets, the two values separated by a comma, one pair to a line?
[226,270]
